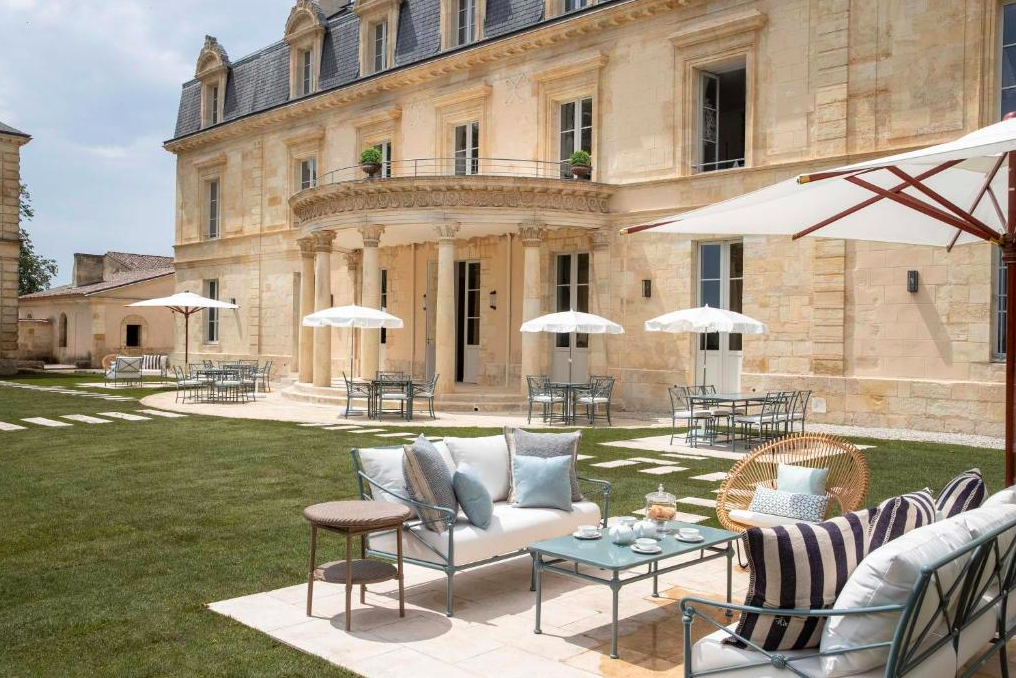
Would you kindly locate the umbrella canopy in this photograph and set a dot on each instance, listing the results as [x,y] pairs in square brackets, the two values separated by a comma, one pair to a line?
[953,193]
[352,316]
[186,304]
[571,321]
[705,320]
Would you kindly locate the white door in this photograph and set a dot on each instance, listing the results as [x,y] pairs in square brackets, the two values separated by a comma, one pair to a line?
[571,292]
[467,335]
[430,311]
[721,285]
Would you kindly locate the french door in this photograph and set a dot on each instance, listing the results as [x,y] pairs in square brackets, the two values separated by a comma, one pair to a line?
[720,285]
[570,361]
[467,321]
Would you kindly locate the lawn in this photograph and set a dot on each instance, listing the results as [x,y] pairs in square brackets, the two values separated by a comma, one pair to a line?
[115,536]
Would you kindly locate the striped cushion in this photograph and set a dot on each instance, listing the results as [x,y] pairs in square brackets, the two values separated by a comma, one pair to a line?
[151,362]
[898,515]
[964,492]
[800,566]
[429,480]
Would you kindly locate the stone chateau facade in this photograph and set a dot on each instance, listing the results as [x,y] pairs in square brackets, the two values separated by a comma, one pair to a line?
[473,222]
[11,141]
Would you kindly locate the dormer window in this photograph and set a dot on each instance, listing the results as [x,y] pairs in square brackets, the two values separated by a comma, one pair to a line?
[462,22]
[379,20]
[380,46]
[572,5]
[306,72]
[213,105]
[212,71]
[305,32]
[465,22]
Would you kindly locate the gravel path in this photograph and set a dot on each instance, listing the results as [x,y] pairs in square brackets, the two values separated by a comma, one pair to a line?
[909,434]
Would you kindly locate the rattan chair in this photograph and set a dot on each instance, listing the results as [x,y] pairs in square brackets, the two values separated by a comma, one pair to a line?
[846,485]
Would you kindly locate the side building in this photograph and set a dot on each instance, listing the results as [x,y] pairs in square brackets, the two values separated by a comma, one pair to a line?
[88,319]
[472,221]
[11,141]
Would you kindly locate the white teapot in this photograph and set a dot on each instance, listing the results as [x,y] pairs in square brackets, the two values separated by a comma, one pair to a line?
[646,529]
[623,530]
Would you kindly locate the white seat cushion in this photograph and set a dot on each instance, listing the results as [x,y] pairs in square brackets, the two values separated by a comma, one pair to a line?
[511,529]
[547,399]
[712,653]
[688,414]
[586,400]
[488,456]
[756,519]
[383,465]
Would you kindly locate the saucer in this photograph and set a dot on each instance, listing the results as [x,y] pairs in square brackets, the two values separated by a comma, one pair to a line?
[594,535]
[690,540]
[647,552]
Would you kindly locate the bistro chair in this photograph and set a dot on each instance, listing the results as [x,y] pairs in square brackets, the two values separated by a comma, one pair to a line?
[357,390]
[230,388]
[390,376]
[541,393]
[186,387]
[764,422]
[264,374]
[425,391]
[392,390]
[597,396]
[681,411]
[799,413]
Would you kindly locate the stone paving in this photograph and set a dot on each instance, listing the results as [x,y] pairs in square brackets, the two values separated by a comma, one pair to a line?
[63,391]
[65,420]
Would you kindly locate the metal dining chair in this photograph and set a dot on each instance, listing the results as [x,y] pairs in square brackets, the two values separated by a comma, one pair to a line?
[597,396]
[354,391]
[765,421]
[541,393]
[800,411]
[425,391]
[681,411]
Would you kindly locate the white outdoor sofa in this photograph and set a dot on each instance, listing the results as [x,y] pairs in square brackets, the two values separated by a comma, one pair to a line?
[462,545]
[124,370]
[155,365]
[956,609]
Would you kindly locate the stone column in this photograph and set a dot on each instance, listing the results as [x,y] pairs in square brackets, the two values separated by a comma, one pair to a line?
[531,233]
[599,299]
[322,300]
[305,359]
[370,340]
[346,336]
[444,334]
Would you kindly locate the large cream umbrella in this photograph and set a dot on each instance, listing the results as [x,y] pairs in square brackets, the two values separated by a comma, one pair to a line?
[567,322]
[351,316]
[186,304]
[959,192]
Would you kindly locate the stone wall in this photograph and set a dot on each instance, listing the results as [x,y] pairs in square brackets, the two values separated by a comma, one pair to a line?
[10,183]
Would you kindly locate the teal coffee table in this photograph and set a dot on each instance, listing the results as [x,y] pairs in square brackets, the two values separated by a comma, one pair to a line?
[566,555]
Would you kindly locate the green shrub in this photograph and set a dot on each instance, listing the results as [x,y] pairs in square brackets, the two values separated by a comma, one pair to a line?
[370,156]
[580,158]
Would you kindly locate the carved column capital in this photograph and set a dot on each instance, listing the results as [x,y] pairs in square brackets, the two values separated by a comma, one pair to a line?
[446,231]
[352,259]
[371,234]
[323,241]
[599,239]
[306,247]
[532,233]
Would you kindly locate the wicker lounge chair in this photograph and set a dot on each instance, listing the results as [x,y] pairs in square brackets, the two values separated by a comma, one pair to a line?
[846,485]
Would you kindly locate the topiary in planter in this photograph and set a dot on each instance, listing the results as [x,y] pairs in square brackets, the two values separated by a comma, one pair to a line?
[370,161]
[581,164]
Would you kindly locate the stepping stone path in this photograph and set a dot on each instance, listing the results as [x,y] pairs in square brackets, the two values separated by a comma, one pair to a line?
[126,416]
[63,391]
[315,424]
[163,413]
[695,501]
[4,426]
[617,463]
[662,470]
[371,430]
[711,477]
[86,419]
[400,434]
[688,457]
[43,421]
[579,457]
[655,462]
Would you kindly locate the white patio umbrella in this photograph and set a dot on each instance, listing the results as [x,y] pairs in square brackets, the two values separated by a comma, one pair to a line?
[351,316]
[567,322]
[959,192]
[186,304]
[705,320]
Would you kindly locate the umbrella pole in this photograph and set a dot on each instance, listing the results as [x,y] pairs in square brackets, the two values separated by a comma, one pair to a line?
[186,338]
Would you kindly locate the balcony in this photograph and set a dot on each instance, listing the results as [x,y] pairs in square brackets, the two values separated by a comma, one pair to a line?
[487,196]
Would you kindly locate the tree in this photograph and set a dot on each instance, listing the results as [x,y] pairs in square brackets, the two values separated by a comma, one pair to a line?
[35,272]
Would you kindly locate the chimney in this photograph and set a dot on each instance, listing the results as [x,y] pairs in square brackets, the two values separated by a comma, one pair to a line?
[87,269]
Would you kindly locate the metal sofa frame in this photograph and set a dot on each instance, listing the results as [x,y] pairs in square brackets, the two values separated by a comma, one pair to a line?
[990,568]
[367,486]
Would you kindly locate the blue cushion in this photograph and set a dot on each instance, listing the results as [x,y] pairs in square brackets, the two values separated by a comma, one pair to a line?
[810,508]
[801,479]
[542,482]
[472,496]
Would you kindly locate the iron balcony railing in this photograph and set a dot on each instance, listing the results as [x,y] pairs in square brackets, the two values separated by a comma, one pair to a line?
[455,166]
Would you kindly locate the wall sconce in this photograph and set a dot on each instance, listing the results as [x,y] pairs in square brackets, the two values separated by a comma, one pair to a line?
[912,281]
[493,299]
[425,302]
[232,300]
[647,289]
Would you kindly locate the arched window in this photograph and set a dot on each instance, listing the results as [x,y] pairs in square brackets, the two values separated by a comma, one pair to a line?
[62,328]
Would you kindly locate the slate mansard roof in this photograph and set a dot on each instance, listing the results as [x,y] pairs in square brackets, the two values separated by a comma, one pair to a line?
[7,129]
[261,81]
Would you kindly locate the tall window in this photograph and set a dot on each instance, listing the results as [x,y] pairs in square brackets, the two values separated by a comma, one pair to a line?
[571,292]
[213,105]
[1000,304]
[213,209]
[722,98]
[308,173]
[212,314]
[467,148]
[1008,60]
[306,72]
[62,329]
[721,285]
[385,147]
[379,46]
[465,20]
[572,5]
[384,301]
[576,130]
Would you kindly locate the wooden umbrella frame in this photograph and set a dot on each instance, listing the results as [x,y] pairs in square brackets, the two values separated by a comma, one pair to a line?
[186,312]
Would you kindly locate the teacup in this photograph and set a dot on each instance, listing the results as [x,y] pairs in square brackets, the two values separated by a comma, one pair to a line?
[689,533]
[645,543]
[587,530]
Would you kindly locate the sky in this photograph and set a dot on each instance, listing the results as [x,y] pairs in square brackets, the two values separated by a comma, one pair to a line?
[97,84]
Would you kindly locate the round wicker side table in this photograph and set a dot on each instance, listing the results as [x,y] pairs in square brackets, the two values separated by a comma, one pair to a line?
[355,519]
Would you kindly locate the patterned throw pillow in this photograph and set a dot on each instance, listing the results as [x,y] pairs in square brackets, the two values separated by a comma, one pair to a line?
[964,492]
[810,508]
[526,444]
[898,515]
[800,566]
[429,480]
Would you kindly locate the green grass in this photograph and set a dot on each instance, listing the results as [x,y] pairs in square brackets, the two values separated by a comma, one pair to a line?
[115,536]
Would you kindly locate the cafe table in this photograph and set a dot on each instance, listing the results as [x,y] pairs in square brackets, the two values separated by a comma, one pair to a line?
[733,402]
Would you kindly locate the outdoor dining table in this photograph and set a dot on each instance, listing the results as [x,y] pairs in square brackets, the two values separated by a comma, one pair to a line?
[377,389]
[571,390]
[738,403]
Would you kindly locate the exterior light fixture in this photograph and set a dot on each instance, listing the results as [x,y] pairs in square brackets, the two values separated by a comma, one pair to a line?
[647,289]
[493,299]
[425,302]
[912,281]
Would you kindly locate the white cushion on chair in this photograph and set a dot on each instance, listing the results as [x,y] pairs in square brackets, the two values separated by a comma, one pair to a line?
[511,529]
[756,519]
[383,465]
[488,456]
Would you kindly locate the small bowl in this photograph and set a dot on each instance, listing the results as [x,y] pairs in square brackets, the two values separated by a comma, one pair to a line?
[645,543]
[689,533]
